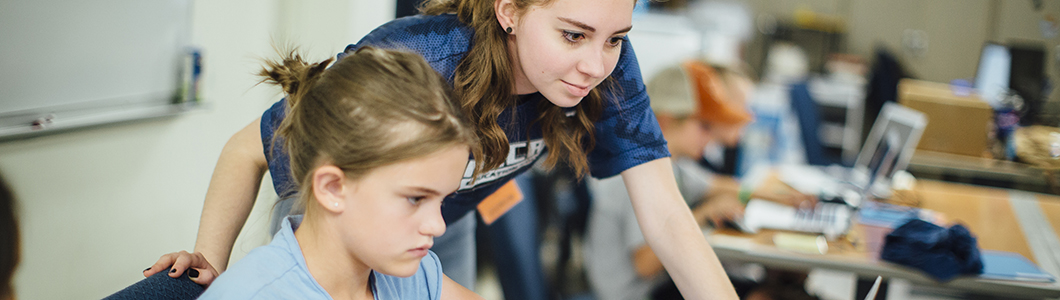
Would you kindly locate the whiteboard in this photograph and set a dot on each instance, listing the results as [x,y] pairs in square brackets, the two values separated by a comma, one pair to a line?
[82,63]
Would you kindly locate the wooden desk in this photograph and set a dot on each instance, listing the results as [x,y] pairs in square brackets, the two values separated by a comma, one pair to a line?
[987,212]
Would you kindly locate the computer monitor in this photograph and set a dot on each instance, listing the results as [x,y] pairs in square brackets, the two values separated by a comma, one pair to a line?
[992,76]
[1027,78]
[891,142]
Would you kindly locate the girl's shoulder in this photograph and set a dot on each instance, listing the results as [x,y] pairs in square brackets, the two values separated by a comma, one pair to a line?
[267,272]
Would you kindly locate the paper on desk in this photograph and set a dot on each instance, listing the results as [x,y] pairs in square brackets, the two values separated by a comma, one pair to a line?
[766,214]
[808,180]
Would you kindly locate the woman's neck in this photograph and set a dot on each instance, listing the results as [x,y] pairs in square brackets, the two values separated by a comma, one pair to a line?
[341,274]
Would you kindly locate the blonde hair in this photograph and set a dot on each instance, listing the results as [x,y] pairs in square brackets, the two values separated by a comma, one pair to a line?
[372,108]
[484,84]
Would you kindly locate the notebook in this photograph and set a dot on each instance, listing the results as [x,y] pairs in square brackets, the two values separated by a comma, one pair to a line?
[1011,266]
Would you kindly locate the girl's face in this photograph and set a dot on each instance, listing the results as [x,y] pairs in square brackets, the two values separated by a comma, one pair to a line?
[690,136]
[566,48]
[393,213]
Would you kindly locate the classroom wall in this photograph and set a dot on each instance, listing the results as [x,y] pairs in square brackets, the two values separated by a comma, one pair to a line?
[956,29]
[100,205]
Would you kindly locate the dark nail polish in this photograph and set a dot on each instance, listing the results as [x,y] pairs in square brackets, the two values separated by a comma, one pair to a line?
[193,273]
[172,270]
[145,270]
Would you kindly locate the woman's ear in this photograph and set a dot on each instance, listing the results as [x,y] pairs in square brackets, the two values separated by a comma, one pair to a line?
[329,188]
[506,14]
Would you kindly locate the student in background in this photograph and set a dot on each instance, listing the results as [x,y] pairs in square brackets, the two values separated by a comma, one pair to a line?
[541,79]
[695,104]
[775,136]
[10,242]
[375,145]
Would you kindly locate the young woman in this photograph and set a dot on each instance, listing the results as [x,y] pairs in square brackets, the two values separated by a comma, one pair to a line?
[375,144]
[549,78]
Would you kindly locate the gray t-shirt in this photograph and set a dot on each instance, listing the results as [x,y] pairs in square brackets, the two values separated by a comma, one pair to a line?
[614,235]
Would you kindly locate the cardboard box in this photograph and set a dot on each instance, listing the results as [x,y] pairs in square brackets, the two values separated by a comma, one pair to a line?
[957,123]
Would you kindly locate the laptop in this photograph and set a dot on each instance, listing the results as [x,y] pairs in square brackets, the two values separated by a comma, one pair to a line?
[898,129]
[888,149]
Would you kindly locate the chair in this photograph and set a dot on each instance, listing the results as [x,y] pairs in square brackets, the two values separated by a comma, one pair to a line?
[160,287]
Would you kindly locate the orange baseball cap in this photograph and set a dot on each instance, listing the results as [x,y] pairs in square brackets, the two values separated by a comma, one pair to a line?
[695,89]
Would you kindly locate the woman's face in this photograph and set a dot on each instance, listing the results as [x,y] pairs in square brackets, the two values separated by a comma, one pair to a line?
[394,212]
[567,47]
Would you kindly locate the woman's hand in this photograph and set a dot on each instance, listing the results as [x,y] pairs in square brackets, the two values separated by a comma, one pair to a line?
[175,263]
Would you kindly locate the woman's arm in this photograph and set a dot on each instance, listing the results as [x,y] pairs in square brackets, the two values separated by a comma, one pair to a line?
[229,200]
[231,195]
[672,233]
[714,208]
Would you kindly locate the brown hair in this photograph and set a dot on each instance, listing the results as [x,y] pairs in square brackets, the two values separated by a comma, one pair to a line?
[484,84]
[10,244]
[372,108]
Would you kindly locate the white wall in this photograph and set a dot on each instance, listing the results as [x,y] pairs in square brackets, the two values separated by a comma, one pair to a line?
[956,29]
[100,205]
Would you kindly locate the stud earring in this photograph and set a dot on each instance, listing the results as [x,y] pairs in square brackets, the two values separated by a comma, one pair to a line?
[508,30]
[335,204]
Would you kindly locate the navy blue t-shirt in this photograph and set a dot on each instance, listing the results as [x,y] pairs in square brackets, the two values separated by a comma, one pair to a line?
[627,134]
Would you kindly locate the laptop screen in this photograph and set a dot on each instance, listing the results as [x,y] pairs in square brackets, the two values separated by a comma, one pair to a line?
[896,132]
[884,158]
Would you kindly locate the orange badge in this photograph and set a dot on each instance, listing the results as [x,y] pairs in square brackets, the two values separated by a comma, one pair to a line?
[498,203]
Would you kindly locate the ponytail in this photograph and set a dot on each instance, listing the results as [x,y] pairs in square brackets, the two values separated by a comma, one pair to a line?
[293,74]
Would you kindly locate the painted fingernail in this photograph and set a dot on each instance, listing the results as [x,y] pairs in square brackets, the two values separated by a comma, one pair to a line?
[173,270]
[193,273]
[148,268]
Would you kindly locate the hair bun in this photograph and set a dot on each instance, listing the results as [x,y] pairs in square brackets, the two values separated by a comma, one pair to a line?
[293,74]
